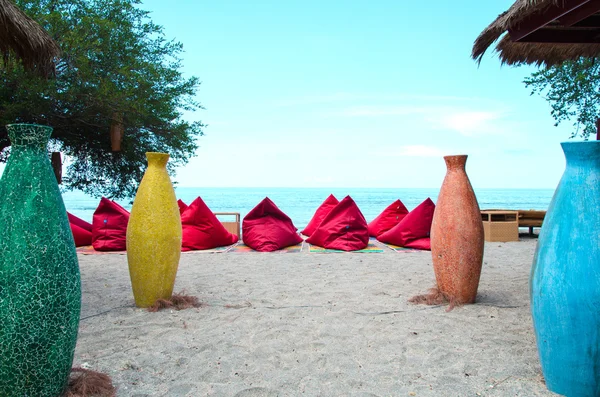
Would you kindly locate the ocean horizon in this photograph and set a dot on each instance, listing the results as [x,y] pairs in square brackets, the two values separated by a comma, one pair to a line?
[300,203]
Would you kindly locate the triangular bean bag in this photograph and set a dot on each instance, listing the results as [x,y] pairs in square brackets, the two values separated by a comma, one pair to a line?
[414,226]
[389,218]
[266,228]
[109,226]
[182,206]
[82,230]
[202,230]
[344,228]
[79,222]
[321,212]
[81,236]
[420,244]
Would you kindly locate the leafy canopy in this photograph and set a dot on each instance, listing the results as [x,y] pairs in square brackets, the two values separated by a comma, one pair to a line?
[115,61]
[573,90]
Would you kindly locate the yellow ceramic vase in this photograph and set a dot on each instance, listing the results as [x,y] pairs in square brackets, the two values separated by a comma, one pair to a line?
[154,235]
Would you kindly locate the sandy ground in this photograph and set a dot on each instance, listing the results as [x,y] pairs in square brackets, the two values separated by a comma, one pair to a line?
[313,324]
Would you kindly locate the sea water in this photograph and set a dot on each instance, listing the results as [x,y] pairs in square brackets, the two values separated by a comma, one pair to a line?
[300,203]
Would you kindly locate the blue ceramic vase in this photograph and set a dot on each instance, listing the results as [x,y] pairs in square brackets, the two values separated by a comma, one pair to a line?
[565,277]
[40,295]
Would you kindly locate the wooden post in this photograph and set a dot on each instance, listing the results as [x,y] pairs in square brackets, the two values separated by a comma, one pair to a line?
[598,129]
[116,131]
[56,162]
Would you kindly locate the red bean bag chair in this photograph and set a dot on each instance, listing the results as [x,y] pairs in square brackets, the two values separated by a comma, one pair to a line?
[321,212]
[79,222]
[344,228]
[182,206]
[82,230]
[202,230]
[416,225]
[266,228]
[389,218]
[420,244]
[109,226]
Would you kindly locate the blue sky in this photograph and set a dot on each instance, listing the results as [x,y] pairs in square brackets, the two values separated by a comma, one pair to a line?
[356,94]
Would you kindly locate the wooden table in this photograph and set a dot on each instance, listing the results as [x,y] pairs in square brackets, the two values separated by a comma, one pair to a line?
[232,227]
[500,225]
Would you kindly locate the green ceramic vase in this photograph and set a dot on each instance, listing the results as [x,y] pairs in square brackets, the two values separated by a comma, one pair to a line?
[40,291]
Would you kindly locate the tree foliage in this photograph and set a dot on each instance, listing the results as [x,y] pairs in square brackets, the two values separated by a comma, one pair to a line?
[573,90]
[114,60]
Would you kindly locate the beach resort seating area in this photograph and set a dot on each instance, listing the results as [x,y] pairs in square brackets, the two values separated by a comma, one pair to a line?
[335,226]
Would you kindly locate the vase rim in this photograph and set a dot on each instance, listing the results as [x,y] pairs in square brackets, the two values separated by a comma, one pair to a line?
[28,124]
[457,155]
[579,142]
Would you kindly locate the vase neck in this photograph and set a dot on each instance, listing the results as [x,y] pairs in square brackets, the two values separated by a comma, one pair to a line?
[587,152]
[456,163]
[29,135]
[157,159]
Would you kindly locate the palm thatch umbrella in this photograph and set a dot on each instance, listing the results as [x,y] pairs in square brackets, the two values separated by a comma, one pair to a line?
[25,39]
[543,32]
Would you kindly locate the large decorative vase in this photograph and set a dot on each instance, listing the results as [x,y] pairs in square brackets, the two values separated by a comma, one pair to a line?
[457,235]
[40,291]
[565,277]
[154,235]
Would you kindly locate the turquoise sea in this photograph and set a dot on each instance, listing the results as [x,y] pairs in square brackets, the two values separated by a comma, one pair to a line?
[301,203]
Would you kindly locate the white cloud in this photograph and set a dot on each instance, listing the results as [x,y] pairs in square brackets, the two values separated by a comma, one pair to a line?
[317,180]
[370,97]
[317,99]
[412,151]
[470,122]
[465,121]
[369,111]
[466,116]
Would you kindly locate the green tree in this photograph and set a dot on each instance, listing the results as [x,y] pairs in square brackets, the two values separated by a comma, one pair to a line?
[573,90]
[115,63]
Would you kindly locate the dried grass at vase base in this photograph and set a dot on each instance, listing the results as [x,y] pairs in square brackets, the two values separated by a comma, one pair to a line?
[88,383]
[435,297]
[177,302]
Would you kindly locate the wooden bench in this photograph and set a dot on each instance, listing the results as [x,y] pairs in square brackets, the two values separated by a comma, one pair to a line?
[531,219]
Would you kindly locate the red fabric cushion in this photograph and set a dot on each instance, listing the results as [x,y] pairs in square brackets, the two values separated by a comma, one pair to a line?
[79,222]
[344,228]
[321,212]
[109,226]
[202,230]
[415,225]
[81,236]
[420,244]
[182,206]
[389,218]
[266,228]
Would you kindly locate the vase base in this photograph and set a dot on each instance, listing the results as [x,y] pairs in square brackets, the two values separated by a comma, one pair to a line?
[177,301]
[437,297]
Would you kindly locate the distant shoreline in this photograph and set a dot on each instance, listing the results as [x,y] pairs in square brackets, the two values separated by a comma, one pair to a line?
[349,188]
[300,203]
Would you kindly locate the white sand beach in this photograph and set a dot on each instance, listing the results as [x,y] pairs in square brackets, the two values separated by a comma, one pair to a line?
[314,324]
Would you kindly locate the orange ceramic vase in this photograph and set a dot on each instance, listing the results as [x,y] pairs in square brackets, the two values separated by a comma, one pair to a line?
[457,235]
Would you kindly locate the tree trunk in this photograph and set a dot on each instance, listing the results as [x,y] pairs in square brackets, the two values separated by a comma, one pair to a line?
[116,132]
[56,161]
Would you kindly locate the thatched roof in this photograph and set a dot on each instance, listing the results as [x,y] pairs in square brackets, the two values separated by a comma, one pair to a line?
[533,52]
[23,38]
